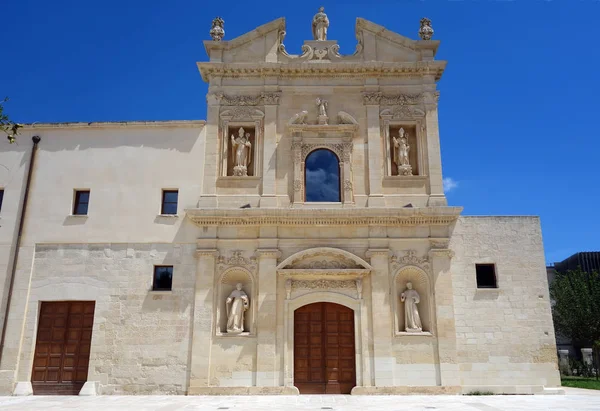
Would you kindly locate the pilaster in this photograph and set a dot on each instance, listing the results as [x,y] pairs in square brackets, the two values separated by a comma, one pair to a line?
[384,361]
[208,196]
[375,151]
[267,367]
[203,318]
[440,259]
[434,159]
[268,198]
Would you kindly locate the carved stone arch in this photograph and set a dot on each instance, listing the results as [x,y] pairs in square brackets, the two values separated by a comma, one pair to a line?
[422,283]
[347,259]
[227,281]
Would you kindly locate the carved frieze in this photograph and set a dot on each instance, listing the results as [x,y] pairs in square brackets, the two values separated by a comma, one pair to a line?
[323,284]
[409,258]
[371,98]
[268,98]
[236,260]
[401,100]
[271,98]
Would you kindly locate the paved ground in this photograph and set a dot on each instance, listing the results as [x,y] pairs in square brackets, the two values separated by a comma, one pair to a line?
[577,400]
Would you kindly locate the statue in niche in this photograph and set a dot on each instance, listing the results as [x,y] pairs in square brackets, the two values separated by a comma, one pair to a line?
[237,303]
[410,298]
[322,108]
[401,151]
[243,150]
[320,24]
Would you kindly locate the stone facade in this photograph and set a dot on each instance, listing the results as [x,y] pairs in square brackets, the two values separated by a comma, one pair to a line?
[243,218]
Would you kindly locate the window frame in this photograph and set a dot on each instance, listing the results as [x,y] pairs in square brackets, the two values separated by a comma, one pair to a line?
[77,201]
[154,272]
[1,197]
[495,273]
[163,201]
[339,175]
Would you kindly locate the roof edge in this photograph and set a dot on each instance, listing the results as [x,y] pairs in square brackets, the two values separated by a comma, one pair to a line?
[105,124]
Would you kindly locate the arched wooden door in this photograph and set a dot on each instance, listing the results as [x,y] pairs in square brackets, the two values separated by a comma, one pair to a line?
[324,357]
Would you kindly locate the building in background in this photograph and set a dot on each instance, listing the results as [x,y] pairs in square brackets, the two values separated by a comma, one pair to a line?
[297,241]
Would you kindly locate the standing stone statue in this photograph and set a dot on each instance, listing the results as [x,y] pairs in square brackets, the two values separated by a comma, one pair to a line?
[401,151]
[322,108]
[320,24]
[243,151]
[237,303]
[412,321]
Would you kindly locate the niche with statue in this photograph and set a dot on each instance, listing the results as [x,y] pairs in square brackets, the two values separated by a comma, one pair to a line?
[236,305]
[404,150]
[412,302]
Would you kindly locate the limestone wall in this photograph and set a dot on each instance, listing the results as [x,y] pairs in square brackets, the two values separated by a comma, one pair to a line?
[141,339]
[505,336]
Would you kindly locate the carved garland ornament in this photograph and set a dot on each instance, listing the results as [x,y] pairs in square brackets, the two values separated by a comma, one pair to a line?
[323,284]
[268,98]
[236,260]
[410,258]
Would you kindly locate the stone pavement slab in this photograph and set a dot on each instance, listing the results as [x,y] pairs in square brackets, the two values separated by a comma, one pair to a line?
[579,402]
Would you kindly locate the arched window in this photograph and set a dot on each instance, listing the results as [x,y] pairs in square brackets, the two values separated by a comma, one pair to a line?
[322,176]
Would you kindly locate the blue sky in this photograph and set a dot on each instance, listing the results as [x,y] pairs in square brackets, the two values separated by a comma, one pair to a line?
[518,107]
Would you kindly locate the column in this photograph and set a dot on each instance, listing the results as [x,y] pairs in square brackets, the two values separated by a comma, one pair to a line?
[375,151]
[346,171]
[563,362]
[203,327]
[267,373]
[381,320]
[587,356]
[298,184]
[449,374]
[434,159]
[268,195]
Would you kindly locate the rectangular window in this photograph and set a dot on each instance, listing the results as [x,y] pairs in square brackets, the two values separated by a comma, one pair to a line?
[169,202]
[163,278]
[486,276]
[1,198]
[82,199]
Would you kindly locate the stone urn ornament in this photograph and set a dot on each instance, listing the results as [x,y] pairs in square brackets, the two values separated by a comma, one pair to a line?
[217,32]
[426,31]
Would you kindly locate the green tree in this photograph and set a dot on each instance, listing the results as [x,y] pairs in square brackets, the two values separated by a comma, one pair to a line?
[576,306]
[9,127]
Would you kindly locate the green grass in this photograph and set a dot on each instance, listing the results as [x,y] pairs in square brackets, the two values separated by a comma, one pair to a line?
[580,382]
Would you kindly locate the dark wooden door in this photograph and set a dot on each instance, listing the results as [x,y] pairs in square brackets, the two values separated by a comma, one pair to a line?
[62,348]
[324,357]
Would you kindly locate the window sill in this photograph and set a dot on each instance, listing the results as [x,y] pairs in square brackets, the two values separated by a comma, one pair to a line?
[78,215]
[488,289]
[168,215]
[160,292]
[245,334]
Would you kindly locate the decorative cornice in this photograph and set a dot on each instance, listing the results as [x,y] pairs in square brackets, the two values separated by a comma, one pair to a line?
[324,128]
[382,252]
[308,70]
[119,124]
[325,217]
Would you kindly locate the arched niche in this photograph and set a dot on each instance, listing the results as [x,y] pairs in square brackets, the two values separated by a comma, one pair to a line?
[421,283]
[227,283]
[322,176]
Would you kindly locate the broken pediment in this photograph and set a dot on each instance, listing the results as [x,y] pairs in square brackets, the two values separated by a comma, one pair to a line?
[324,263]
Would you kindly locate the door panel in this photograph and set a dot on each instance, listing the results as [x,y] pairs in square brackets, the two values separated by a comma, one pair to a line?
[324,356]
[61,359]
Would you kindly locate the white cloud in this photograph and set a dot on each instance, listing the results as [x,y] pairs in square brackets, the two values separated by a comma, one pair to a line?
[449,184]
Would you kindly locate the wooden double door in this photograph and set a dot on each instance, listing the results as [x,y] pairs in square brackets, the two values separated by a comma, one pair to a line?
[62,348]
[324,356]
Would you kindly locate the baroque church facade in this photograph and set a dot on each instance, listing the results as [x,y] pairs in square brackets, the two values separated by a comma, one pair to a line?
[297,241]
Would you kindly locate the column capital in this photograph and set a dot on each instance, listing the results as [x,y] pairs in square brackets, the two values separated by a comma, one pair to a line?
[374,252]
[268,253]
[441,252]
[207,252]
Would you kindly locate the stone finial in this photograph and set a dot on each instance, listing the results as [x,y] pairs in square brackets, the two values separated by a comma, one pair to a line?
[217,32]
[426,31]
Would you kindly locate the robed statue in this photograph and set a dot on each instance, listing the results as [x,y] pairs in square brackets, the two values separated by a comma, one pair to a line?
[242,152]
[320,24]
[410,298]
[401,149]
[237,303]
